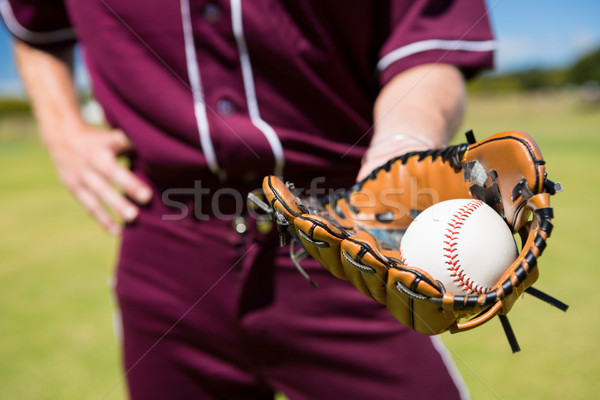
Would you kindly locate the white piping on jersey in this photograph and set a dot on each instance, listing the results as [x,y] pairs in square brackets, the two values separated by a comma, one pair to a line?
[434,44]
[15,27]
[257,121]
[453,371]
[196,87]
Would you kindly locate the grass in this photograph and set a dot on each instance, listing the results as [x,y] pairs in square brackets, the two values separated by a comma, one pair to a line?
[55,307]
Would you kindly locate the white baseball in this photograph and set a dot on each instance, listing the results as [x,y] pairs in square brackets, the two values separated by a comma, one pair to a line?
[462,243]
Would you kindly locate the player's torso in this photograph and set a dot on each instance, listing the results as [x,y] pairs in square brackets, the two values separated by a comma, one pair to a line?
[304,69]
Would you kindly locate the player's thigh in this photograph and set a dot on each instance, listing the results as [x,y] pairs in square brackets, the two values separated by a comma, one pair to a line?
[333,341]
[177,287]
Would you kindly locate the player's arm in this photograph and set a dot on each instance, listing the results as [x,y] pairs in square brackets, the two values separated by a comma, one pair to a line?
[418,109]
[85,157]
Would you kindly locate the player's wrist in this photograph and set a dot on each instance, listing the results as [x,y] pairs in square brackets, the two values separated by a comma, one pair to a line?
[58,130]
[388,147]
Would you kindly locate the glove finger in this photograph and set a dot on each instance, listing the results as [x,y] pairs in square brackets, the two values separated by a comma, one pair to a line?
[408,290]
[322,241]
[280,197]
[365,268]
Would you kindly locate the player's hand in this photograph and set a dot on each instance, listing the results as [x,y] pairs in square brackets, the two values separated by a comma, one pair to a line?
[86,159]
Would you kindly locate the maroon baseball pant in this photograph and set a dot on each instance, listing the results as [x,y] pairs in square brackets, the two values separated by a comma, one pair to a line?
[210,313]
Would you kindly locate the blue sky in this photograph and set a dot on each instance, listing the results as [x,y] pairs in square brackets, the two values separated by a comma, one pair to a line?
[551,33]
[530,33]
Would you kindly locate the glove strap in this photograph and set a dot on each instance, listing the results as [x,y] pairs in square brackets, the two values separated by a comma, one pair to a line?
[547,298]
[510,335]
[296,257]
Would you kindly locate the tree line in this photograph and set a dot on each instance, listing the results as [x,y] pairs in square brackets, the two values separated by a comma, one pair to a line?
[585,69]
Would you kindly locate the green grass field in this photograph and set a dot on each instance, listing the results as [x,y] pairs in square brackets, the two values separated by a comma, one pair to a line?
[56,337]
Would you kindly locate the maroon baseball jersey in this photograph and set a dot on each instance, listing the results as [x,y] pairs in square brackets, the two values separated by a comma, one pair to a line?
[242,89]
[245,89]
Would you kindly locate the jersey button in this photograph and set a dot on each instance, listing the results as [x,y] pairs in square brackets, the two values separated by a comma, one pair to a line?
[211,13]
[225,106]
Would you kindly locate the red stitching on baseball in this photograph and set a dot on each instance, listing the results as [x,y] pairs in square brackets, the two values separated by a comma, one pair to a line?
[456,271]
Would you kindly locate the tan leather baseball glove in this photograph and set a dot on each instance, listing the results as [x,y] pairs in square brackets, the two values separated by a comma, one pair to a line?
[356,234]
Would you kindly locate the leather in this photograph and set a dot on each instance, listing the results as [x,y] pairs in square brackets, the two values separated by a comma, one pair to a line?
[355,235]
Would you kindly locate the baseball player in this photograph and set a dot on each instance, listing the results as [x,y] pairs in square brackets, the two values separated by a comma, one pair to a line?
[204,98]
